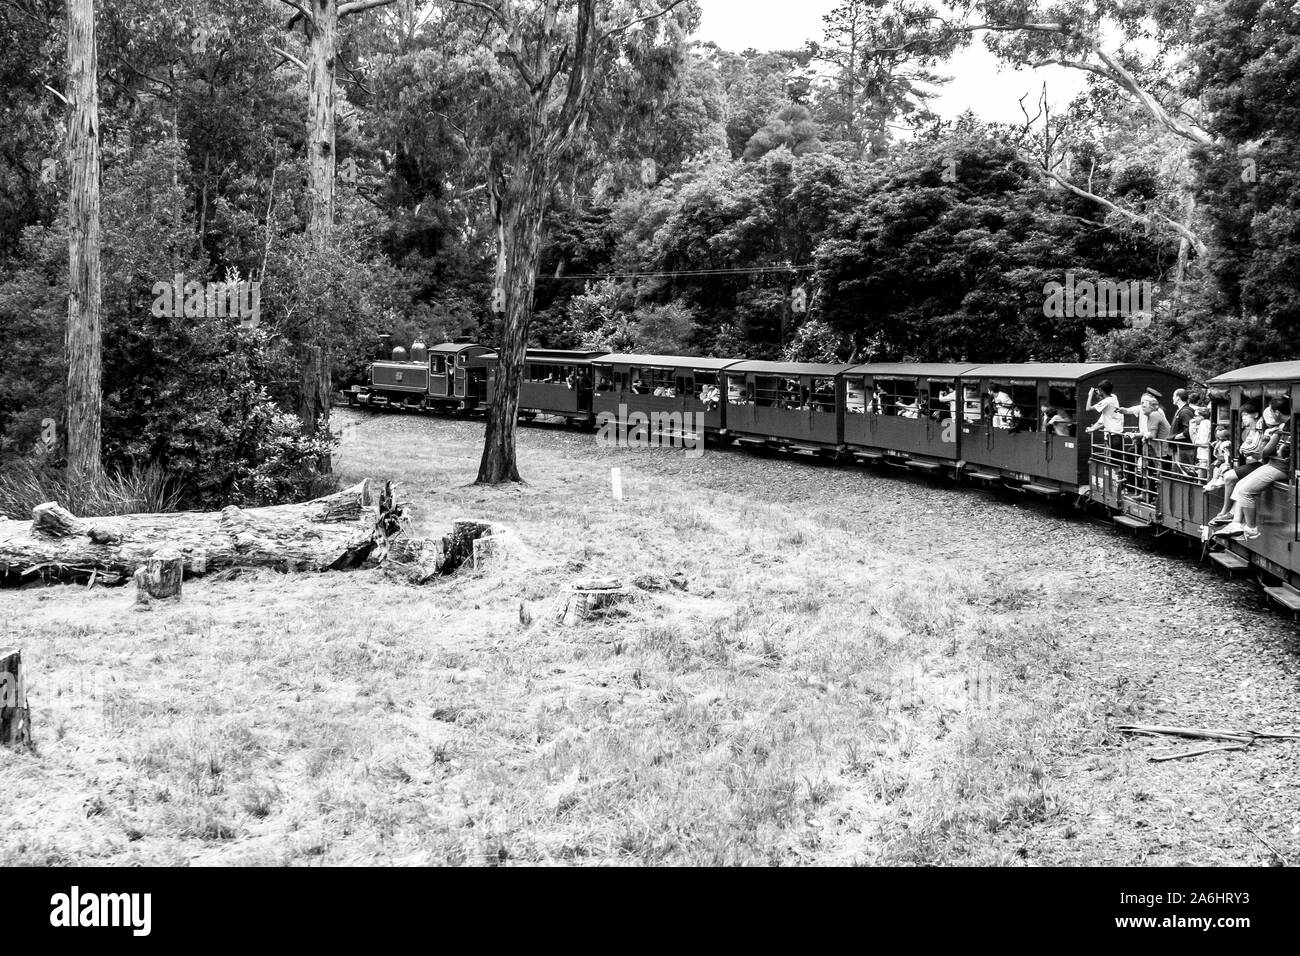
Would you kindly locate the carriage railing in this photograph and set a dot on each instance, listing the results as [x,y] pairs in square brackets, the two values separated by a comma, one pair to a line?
[1143,462]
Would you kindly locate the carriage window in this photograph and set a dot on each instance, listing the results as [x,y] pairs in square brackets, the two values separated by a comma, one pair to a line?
[604,378]
[737,391]
[705,389]
[774,392]
[546,374]
[855,395]
[943,399]
[897,396]
[1059,414]
[439,365]
[1014,405]
[972,406]
[790,394]
[1220,399]
[654,381]
[822,396]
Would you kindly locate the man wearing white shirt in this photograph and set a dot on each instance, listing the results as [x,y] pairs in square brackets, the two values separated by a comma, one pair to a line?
[1102,400]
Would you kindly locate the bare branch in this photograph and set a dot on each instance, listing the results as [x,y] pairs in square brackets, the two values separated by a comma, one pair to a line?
[302,11]
[63,99]
[360,6]
[1152,105]
[291,58]
[1181,230]
[352,76]
[142,74]
[1077,65]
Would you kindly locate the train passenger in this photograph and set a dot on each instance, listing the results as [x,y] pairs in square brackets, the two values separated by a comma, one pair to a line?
[1060,421]
[1110,420]
[1220,456]
[1276,455]
[604,384]
[950,398]
[1180,426]
[880,404]
[908,409]
[1199,431]
[1005,413]
[1148,404]
[1247,460]
[1155,426]
[637,387]
[710,396]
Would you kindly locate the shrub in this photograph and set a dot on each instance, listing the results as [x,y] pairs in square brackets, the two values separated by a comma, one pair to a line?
[28,482]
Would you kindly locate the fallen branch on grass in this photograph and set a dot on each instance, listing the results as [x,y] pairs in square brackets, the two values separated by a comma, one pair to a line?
[345,530]
[1241,737]
[1197,753]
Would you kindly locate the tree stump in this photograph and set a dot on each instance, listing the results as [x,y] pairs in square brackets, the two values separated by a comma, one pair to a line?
[589,597]
[160,577]
[15,716]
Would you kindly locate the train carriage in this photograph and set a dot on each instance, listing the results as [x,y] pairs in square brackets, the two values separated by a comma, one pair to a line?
[797,405]
[659,386]
[1008,435]
[556,383]
[1184,505]
[906,414]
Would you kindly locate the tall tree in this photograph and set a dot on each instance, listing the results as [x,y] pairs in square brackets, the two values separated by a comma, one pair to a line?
[879,51]
[321,24]
[560,52]
[83,342]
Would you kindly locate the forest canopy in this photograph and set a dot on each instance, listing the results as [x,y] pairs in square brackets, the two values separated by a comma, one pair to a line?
[806,203]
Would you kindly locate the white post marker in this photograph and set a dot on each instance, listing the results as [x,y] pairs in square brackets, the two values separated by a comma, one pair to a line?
[616,480]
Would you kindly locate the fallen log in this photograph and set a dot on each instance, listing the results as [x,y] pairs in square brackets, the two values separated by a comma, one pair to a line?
[348,529]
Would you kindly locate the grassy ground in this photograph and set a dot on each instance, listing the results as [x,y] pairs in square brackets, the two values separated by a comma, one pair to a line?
[810,671]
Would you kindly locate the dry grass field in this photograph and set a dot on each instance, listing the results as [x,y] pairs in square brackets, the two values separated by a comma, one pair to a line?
[819,666]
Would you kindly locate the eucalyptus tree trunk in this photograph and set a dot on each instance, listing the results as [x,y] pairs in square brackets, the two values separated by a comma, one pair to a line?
[314,356]
[83,340]
[324,30]
[519,206]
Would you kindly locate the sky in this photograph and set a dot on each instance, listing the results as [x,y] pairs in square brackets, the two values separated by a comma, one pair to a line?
[979,83]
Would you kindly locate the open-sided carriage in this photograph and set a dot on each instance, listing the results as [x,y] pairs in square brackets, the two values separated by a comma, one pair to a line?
[1008,437]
